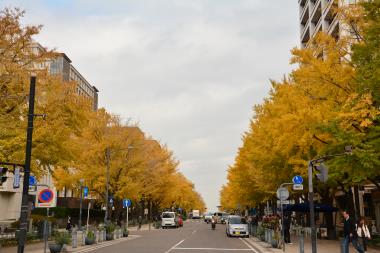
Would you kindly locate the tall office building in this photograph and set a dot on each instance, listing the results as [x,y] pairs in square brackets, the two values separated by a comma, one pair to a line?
[319,15]
[62,65]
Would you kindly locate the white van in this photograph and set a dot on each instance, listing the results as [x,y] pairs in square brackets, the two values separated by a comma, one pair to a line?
[169,219]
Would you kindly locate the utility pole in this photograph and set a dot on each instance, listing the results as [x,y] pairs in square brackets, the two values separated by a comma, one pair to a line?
[28,154]
[311,207]
[81,181]
[108,158]
[348,151]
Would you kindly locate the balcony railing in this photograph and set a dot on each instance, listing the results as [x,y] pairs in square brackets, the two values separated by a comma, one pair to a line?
[317,27]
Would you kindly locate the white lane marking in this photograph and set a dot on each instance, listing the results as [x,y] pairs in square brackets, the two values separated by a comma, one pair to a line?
[194,232]
[216,249]
[249,245]
[175,246]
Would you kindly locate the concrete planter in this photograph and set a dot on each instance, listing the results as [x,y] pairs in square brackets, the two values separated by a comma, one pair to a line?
[55,248]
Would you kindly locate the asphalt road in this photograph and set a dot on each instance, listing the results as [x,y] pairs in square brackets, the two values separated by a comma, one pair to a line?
[194,237]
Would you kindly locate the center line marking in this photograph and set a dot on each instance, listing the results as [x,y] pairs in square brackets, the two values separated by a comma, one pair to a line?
[194,232]
[249,245]
[175,246]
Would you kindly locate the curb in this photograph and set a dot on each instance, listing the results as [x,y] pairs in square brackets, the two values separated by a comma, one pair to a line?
[260,246]
[89,248]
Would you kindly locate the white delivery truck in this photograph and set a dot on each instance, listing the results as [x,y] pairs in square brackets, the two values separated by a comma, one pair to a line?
[196,214]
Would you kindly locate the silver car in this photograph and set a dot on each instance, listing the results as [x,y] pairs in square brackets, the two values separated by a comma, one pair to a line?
[236,226]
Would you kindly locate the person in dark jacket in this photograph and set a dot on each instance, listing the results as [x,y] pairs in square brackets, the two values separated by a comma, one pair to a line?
[287,222]
[350,235]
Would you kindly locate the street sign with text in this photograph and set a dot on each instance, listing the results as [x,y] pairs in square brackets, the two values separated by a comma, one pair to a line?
[16,178]
[298,187]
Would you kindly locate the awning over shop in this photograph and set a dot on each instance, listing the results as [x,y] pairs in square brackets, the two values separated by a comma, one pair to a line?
[304,208]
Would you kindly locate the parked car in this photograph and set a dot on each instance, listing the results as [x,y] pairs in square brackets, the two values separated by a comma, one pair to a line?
[236,226]
[169,219]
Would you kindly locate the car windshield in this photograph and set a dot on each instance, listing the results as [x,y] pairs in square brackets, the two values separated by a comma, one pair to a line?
[237,220]
[168,215]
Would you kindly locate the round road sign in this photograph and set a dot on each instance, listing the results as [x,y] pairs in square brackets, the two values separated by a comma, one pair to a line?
[282,193]
[46,196]
[297,180]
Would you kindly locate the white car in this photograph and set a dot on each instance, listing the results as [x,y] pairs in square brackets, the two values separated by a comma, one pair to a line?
[169,219]
[236,226]
[208,217]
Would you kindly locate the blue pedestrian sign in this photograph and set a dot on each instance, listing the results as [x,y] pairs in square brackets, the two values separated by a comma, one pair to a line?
[127,203]
[297,180]
[85,192]
[32,181]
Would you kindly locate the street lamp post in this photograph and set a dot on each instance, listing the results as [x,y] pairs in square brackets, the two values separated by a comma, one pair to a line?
[81,181]
[311,164]
[311,208]
[108,161]
[108,157]
[28,154]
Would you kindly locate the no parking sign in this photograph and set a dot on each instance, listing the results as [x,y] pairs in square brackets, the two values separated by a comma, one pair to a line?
[46,198]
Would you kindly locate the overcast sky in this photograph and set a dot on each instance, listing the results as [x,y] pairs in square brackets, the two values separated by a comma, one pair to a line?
[188,71]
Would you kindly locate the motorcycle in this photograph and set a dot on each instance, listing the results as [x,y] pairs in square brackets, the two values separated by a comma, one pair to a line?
[213,224]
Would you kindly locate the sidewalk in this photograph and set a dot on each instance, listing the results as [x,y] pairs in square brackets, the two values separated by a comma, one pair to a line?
[38,247]
[323,246]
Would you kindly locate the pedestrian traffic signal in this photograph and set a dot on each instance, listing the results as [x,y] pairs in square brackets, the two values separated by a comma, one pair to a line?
[3,175]
[323,172]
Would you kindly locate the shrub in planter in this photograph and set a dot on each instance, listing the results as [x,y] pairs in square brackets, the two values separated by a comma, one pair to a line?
[125,232]
[110,228]
[90,238]
[60,239]
[261,233]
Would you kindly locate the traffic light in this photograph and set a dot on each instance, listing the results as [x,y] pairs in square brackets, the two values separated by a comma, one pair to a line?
[323,170]
[3,175]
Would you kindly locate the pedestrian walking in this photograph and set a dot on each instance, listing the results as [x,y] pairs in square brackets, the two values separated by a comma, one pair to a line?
[350,234]
[287,222]
[68,224]
[363,233]
[139,221]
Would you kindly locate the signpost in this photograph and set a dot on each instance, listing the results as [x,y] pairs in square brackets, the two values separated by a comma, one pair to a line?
[297,183]
[46,198]
[126,204]
[282,195]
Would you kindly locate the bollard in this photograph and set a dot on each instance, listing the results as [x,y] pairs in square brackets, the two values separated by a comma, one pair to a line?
[302,242]
[83,238]
[74,242]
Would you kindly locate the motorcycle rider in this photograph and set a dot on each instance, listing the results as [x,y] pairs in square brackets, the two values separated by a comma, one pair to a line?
[213,221]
